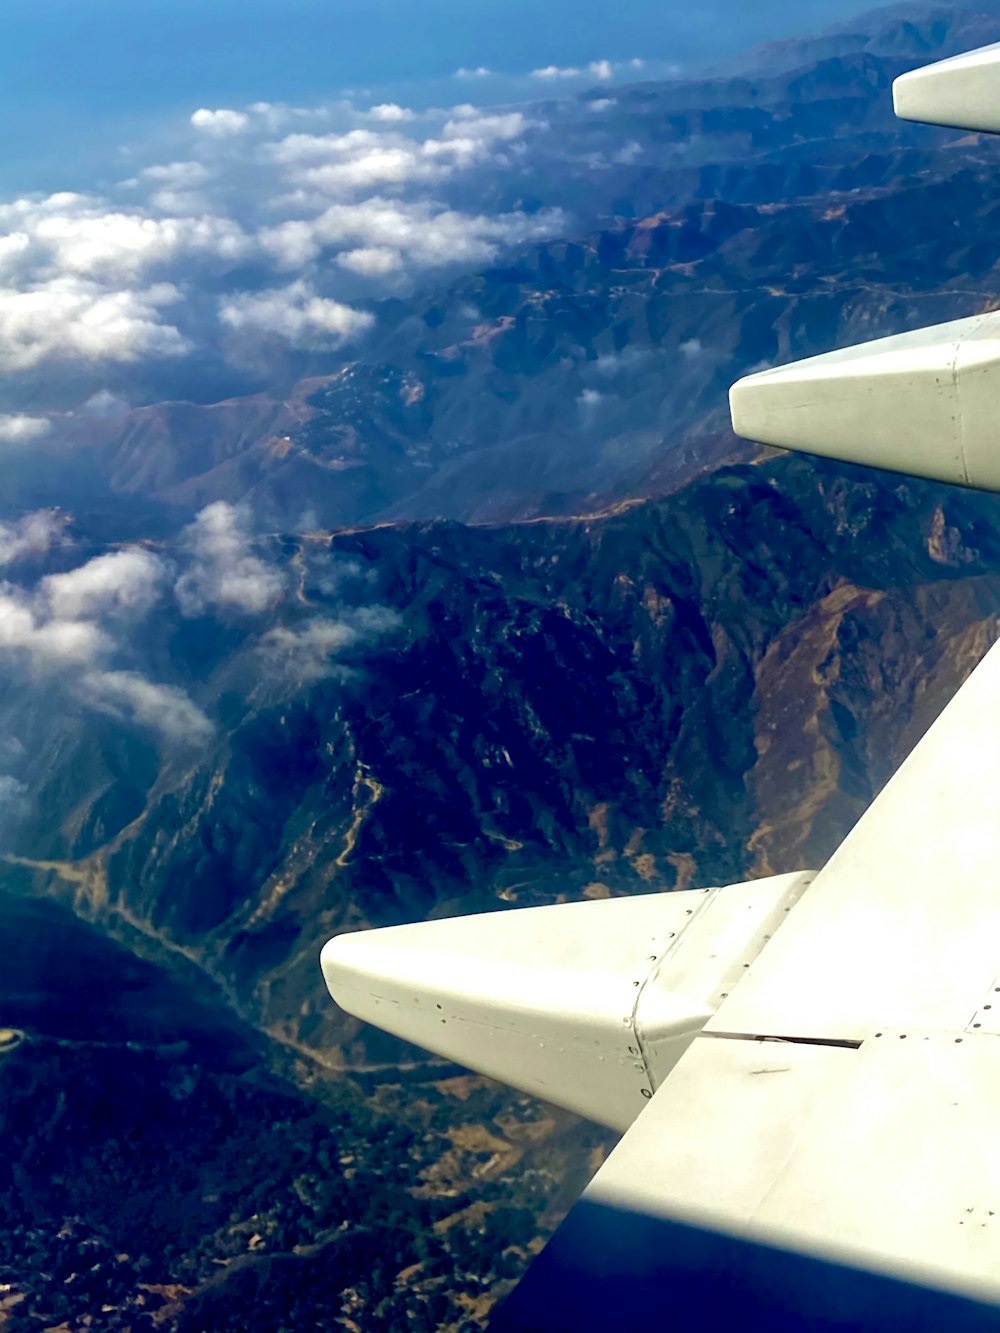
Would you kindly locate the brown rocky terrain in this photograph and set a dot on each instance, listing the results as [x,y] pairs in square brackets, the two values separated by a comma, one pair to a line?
[609,649]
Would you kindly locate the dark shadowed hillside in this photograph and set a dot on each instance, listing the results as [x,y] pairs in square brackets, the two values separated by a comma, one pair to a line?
[686,692]
[497,612]
[691,690]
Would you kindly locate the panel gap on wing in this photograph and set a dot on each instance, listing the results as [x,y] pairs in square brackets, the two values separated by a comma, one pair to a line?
[845,1043]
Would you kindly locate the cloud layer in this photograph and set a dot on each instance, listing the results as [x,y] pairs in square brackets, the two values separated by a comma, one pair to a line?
[295,314]
[123,583]
[133,700]
[19,429]
[250,231]
[271,222]
[33,535]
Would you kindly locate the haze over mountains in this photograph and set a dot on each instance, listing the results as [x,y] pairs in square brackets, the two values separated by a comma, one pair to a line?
[470,599]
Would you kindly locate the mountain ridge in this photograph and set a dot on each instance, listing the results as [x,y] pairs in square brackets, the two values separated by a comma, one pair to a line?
[519,622]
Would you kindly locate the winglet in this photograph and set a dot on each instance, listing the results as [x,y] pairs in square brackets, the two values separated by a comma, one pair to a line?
[586,1005]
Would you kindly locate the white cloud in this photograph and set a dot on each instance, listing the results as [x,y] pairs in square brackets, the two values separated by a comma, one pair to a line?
[479,72]
[73,624]
[602,103]
[160,268]
[133,699]
[126,582]
[74,235]
[274,116]
[182,175]
[356,162]
[591,404]
[295,149]
[485,128]
[15,253]
[308,653]
[46,643]
[76,276]
[224,572]
[95,243]
[371,170]
[617,363]
[556,72]
[693,349]
[371,261]
[596,69]
[104,403]
[219,123]
[72,317]
[390,112]
[33,535]
[629,153]
[292,244]
[19,429]
[425,234]
[296,315]
[57,629]
[176,186]
[363,160]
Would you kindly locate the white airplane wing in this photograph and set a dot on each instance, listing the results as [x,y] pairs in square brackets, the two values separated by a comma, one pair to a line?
[783,1186]
[806,1068]
[826,1154]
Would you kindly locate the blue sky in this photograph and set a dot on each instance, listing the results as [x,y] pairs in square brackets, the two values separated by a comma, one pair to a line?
[79,76]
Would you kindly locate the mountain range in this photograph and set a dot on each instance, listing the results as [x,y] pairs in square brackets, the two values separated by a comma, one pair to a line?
[497,612]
